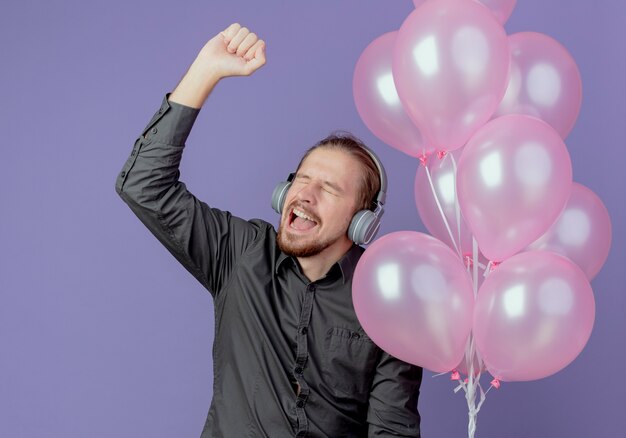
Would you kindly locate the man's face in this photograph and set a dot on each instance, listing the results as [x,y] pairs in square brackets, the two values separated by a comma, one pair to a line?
[320,203]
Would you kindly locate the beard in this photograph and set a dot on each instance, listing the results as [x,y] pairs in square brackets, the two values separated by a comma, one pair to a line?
[298,247]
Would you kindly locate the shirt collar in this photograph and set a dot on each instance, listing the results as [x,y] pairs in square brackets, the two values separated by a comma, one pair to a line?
[347,263]
[281,258]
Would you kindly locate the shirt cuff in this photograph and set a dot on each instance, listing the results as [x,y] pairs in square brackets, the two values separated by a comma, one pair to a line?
[171,124]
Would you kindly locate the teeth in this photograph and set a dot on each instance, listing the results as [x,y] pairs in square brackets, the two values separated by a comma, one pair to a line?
[302,215]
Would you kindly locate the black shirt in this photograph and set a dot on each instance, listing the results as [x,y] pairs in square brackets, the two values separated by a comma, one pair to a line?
[290,357]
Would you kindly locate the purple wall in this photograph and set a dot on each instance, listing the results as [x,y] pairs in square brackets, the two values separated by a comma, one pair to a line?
[103,334]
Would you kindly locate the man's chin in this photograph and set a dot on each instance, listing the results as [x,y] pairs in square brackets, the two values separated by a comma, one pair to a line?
[298,247]
[295,250]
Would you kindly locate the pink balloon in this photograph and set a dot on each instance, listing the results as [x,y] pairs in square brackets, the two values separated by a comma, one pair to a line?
[377,100]
[533,316]
[513,180]
[502,9]
[582,232]
[414,298]
[544,82]
[450,66]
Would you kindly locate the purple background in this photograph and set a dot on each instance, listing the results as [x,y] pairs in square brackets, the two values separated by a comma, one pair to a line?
[103,333]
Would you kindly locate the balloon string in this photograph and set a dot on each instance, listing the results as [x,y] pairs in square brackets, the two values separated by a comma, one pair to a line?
[472,386]
[457,207]
[474,394]
[443,216]
[475,266]
[487,270]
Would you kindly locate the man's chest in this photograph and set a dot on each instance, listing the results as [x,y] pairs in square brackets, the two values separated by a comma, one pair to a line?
[307,333]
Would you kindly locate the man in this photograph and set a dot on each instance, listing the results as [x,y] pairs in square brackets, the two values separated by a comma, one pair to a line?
[290,358]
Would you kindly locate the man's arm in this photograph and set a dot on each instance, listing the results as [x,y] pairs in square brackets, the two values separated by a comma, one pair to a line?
[392,410]
[198,236]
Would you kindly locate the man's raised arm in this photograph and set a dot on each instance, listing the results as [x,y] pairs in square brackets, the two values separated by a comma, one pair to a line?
[198,236]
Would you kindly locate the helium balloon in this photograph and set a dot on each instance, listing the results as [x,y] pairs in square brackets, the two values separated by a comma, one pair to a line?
[534,314]
[514,178]
[544,82]
[377,100]
[582,232]
[413,297]
[450,66]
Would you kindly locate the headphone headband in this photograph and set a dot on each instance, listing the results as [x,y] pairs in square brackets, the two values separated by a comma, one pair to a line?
[381,197]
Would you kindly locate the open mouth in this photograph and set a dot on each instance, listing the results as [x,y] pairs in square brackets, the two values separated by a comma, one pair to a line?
[300,221]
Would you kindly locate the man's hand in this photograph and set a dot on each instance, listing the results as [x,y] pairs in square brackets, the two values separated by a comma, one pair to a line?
[233,52]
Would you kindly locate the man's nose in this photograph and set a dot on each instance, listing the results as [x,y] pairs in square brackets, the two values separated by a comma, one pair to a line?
[308,193]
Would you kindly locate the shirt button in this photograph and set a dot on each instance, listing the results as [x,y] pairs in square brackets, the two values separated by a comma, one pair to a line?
[154,130]
[298,370]
[304,330]
[132,154]
[355,336]
[300,403]
[160,110]
[123,174]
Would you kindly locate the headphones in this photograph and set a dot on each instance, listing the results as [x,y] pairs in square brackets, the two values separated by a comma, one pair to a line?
[365,223]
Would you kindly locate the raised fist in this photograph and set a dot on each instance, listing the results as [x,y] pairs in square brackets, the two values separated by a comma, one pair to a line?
[233,52]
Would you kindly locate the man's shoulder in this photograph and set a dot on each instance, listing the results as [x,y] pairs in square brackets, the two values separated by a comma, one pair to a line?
[246,233]
[262,224]
[264,231]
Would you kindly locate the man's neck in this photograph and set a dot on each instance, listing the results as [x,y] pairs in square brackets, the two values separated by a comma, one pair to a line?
[316,267]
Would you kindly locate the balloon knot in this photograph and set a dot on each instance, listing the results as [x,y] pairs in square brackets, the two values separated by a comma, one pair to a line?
[441,154]
[469,261]
[455,375]
[423,159]
[495,383]
[493,265]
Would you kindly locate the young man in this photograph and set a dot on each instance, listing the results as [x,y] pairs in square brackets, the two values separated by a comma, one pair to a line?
[290,357]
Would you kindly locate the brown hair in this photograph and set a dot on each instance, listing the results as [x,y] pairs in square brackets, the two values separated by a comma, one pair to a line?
[370,181]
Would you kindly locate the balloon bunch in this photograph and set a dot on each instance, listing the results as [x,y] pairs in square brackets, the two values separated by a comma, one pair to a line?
[502,285]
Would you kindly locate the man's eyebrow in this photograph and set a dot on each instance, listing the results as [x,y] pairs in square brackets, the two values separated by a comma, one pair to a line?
[327,183]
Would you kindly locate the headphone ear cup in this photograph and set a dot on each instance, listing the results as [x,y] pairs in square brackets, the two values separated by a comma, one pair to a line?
[363,227]
[278,196]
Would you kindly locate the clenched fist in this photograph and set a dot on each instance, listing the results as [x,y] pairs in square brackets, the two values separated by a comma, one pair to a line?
[233,52]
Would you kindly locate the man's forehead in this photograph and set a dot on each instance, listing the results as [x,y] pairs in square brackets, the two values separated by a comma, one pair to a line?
[327,154]
[336,168]
[334,165]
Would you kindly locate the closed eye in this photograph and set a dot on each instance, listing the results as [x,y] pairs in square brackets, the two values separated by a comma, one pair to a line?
[330,192]
[328,186]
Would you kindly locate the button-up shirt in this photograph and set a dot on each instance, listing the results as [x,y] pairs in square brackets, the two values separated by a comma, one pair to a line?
[289,356]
